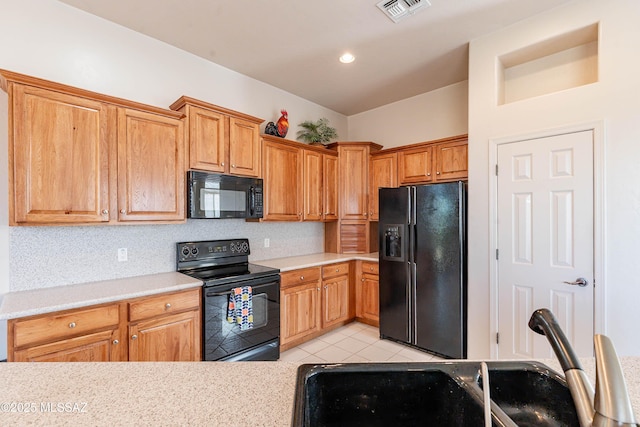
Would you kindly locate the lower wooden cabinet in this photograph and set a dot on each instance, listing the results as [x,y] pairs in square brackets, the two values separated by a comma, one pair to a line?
[167,339]
[335,294]
[367,293]
[313,301]
[299,305]
[97,347]
[164,327]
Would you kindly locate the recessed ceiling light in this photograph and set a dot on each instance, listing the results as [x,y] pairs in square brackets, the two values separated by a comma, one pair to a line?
[347,58]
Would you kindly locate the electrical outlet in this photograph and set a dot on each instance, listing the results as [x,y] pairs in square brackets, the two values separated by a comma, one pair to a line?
[122,254]
[266,243]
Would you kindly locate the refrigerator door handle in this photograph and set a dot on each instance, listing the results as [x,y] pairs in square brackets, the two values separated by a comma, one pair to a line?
[414,306]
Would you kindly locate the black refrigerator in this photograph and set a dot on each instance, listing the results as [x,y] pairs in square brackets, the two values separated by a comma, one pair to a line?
[423,273]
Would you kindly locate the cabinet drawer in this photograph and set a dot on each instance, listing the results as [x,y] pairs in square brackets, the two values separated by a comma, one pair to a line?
[303,275]
[333,270]
[157,305]
[369,267]
[64,324]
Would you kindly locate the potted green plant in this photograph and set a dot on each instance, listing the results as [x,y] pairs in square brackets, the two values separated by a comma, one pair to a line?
[318,132]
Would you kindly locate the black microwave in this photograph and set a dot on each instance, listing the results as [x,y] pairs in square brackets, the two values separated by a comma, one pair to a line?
[223,196]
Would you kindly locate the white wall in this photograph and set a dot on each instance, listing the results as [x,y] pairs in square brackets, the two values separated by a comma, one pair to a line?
[432,115]
[613,99]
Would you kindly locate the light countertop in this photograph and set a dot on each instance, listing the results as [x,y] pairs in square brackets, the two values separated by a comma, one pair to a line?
[314,260]
[47,300]
[169,394]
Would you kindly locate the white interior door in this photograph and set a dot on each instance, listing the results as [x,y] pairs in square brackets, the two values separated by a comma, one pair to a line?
[545,239]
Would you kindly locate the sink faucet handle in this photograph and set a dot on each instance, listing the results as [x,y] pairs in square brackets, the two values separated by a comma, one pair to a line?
[611,397]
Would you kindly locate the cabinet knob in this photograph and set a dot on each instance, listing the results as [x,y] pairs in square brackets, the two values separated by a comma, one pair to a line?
[362,280]
[326,287]
[222,164]
[72,325]
[337,269]
[428,173]
[105,212]
[301,277]
[365,214]
[116,342]
[134,337]
[123,211]
[233,166]
[167,306]
[318,288]
[437,173]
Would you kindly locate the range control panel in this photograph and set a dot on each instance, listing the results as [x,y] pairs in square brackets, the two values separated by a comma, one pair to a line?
[212,249]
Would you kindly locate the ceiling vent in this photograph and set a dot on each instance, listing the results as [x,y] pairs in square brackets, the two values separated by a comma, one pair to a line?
[397,10]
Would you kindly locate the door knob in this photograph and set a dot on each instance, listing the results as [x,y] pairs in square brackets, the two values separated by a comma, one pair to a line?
[580,281]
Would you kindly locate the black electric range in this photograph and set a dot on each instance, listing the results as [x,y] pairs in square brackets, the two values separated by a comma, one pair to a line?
[223,266]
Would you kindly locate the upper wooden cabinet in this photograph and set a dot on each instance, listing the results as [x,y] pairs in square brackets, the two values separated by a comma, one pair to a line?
[434,161]
[320,183]
[59,157]
[451,160]
[382,173]
[415,165]
[151,174]
[300,181]
[282,174]
[81,157]
[331,187]
[353,164]
[221,140]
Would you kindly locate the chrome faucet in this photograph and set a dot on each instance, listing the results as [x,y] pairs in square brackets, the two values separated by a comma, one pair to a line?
[611,405]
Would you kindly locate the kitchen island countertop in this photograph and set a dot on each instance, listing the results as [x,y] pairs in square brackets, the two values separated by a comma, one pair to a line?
[170,394]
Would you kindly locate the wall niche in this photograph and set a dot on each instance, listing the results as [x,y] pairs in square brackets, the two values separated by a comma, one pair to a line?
[563,62]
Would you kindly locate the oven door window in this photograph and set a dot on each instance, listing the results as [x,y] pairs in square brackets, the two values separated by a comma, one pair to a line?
[222,338]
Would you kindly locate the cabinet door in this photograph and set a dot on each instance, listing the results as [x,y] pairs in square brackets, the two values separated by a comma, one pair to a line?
[300,307]
[330,179]
[414,165]
[451,161]
[97,347]
[369,303]
[60,162]
[382,173]
[173,338]
[335,300]
[282,173]
[354,182]
[207,148]
[151,175]
[244,147]
[313,186]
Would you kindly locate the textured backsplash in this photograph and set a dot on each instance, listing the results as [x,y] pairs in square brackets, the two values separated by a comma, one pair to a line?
[54,256]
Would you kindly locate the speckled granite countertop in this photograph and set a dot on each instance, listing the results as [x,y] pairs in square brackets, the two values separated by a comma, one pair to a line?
[314,260]
[169,394]
[46,300]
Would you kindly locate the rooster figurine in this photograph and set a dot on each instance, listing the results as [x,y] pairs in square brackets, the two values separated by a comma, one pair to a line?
[280,128]
[283,123]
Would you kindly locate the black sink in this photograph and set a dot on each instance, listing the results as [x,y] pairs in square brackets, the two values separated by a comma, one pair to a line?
[531,395]
[430,394]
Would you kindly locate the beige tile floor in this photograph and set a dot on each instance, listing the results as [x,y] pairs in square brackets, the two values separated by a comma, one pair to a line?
[355,342]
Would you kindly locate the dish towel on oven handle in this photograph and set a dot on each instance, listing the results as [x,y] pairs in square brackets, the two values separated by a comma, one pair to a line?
[240,307]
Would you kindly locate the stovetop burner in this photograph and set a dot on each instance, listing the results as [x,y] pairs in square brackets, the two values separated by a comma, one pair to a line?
[217,262]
